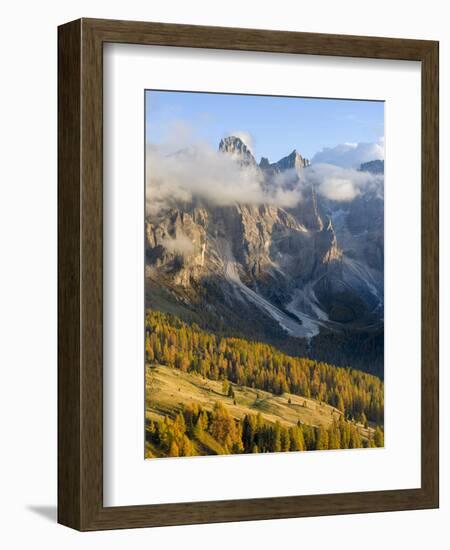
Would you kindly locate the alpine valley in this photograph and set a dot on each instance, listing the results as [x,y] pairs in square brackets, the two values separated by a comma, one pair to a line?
[292,267]
[307,279]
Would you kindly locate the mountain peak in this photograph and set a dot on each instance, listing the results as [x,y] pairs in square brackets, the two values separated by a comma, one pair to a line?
[293,161]
[233,145]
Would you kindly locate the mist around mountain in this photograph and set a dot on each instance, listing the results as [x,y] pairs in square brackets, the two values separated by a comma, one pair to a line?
[290,252]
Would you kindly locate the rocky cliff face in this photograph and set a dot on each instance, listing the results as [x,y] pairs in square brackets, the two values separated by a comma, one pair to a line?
[235,147]
[291,165]
[293,161]
[293,273]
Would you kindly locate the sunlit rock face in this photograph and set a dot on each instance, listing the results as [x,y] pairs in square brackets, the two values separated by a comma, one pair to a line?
[290,272]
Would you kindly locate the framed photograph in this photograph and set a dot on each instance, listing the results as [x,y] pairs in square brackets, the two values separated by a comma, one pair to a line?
[248,274]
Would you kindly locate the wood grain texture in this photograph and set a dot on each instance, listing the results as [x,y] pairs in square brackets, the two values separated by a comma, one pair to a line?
[80,242]
[69,246]
[430,273]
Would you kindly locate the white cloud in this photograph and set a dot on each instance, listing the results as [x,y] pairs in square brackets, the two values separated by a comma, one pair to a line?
[338,189]
[350,155]
[342,184]
[203,172]
[197,171]
[181,244]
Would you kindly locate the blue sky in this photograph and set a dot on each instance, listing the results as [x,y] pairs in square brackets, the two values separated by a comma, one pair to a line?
[276,125]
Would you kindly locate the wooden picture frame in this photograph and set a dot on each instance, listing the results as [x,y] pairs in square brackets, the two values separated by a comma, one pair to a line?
[80,272]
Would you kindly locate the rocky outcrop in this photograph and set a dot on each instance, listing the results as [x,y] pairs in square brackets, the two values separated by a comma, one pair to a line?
[176,244]
[318,265]
[294,161]
[235,147]
[307,210]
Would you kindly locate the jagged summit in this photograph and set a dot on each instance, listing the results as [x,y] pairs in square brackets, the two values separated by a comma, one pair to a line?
[296,271]
[234,145]
[293,161]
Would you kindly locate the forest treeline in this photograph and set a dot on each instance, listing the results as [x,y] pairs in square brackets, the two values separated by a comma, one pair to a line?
[170,341]
[197,431]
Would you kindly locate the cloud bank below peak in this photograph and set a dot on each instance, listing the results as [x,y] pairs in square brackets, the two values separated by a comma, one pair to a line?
[350,155]
[183,169]
[201,172]
[343,184]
